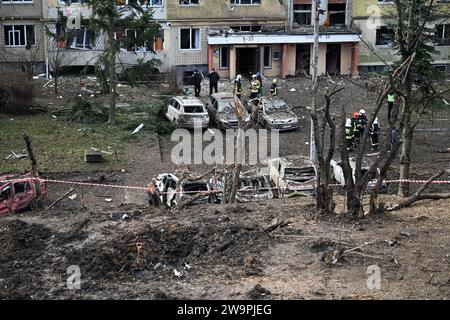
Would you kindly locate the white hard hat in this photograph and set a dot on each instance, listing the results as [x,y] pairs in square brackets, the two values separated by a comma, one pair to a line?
[376,120]
[238,77]
[362,111]
[275,80]
[253,75]
[348,122]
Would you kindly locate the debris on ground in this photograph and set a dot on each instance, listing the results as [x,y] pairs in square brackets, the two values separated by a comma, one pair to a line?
[258,293]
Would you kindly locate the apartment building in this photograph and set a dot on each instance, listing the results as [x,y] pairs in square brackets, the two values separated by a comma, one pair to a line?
[84,50]
[373,18]
[21,36]
[270,36]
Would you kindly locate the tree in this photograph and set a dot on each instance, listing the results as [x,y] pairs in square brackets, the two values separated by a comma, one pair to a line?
[111,18]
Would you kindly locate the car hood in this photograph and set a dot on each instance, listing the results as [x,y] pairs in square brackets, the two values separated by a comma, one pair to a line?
[282,116]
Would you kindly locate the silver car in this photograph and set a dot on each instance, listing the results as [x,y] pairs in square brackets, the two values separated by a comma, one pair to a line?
[274,113]
[222,111]
[187,112]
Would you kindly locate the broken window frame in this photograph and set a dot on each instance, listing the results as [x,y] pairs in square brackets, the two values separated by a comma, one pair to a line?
[187,3]
[86,44]
[267,54]
[240,2]
[16,2]
[197,40]
[306,12]
[253,28]
[72,2]
[442,37]
[379,36]
[222,65]
[4,190]
[22,32]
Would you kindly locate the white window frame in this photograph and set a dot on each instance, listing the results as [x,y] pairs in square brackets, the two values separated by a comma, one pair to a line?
[16,2]
[238,3]
[74,42]
[71,2]
[24,26]
[300,11]
[441,37]
[199,39]
[190,4]
[147,5]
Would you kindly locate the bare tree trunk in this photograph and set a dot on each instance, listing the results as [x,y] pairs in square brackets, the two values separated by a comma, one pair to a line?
[405,158]
[112,74]
[34,165]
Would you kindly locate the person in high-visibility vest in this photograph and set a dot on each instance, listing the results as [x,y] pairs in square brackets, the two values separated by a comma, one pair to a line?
[355,126]
[238,86]
[374,134]
[254,87]
[391,100]
[349,134]
[274,88]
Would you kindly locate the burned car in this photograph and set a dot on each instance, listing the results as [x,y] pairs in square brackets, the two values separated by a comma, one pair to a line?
[167,187]
[222,111]
[293,173]
[254,185]
[274,113]
[18,193]
[338,173]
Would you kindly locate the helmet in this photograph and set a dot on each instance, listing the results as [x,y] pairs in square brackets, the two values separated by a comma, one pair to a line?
[362,111]
[253,75]
[238,77]
[376,121]
[348,122]
[356,115]
[275,80]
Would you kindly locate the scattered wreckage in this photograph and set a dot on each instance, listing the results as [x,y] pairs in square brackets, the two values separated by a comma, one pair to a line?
[18,193]
[293,174]
[254,185]
[275,113]
[337,173]
[222,111]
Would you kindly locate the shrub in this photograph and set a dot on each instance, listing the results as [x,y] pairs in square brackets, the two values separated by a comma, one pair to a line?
[16,94]
[83,111]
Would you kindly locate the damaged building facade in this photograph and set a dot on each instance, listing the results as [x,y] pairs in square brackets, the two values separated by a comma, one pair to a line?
[22,35]
[272,37]
[372,17]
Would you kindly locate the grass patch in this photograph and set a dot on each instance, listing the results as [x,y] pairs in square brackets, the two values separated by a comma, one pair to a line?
[60,145]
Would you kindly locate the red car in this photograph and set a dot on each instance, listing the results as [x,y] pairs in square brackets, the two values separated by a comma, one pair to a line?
[19,194]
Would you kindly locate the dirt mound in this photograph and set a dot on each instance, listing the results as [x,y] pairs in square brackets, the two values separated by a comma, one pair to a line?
[223,244]
[21,240]
[258,293]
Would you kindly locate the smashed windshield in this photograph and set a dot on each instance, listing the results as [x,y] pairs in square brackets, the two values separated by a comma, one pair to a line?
[193,109]
[276,106]
[227,105]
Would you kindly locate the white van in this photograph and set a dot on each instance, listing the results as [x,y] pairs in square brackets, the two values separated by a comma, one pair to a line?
[187,112]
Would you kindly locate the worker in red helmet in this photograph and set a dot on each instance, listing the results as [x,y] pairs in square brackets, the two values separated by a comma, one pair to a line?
[356,128]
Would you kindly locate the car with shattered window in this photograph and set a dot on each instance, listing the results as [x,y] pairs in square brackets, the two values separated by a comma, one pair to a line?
[254,185]
[292,174]
[274,113]
[18,193]
[169,196]
[222,111]
[187,112]
[337,173]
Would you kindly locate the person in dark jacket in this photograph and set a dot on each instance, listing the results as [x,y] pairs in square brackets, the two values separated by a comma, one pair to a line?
[213,81]
[197,80]
[238,86]
[374,134]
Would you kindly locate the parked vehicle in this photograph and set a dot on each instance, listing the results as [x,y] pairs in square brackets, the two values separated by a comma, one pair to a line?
[338,173]
[253,185]
[222,111]
[187,112]
[275,113]
[293,173]
[167,184]
[20,194]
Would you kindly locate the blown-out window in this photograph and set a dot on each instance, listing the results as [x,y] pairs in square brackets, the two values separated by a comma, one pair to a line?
[190,39]
[443,34]
[385,36]
[224,57]
[241,2]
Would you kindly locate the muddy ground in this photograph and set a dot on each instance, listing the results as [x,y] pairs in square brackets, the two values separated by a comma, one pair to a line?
[277,249]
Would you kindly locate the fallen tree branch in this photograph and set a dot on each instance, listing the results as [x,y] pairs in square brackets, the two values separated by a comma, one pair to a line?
[188,201]
[359,247]
[418,195]
[60,198]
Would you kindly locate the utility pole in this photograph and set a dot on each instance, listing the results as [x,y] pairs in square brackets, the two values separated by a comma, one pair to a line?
[317,12]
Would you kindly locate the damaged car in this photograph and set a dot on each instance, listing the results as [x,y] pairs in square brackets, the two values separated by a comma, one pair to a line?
[337,173]
[167,187]
[274,113]
[18,193]
[187,112]
[254,185]
[293,174]
[222,111]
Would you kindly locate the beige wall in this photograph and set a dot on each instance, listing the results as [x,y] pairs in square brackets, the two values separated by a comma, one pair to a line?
[322,64]
[187,57]
[275,70]
[346,58]
[15,54]
[221,10]
[24,10]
